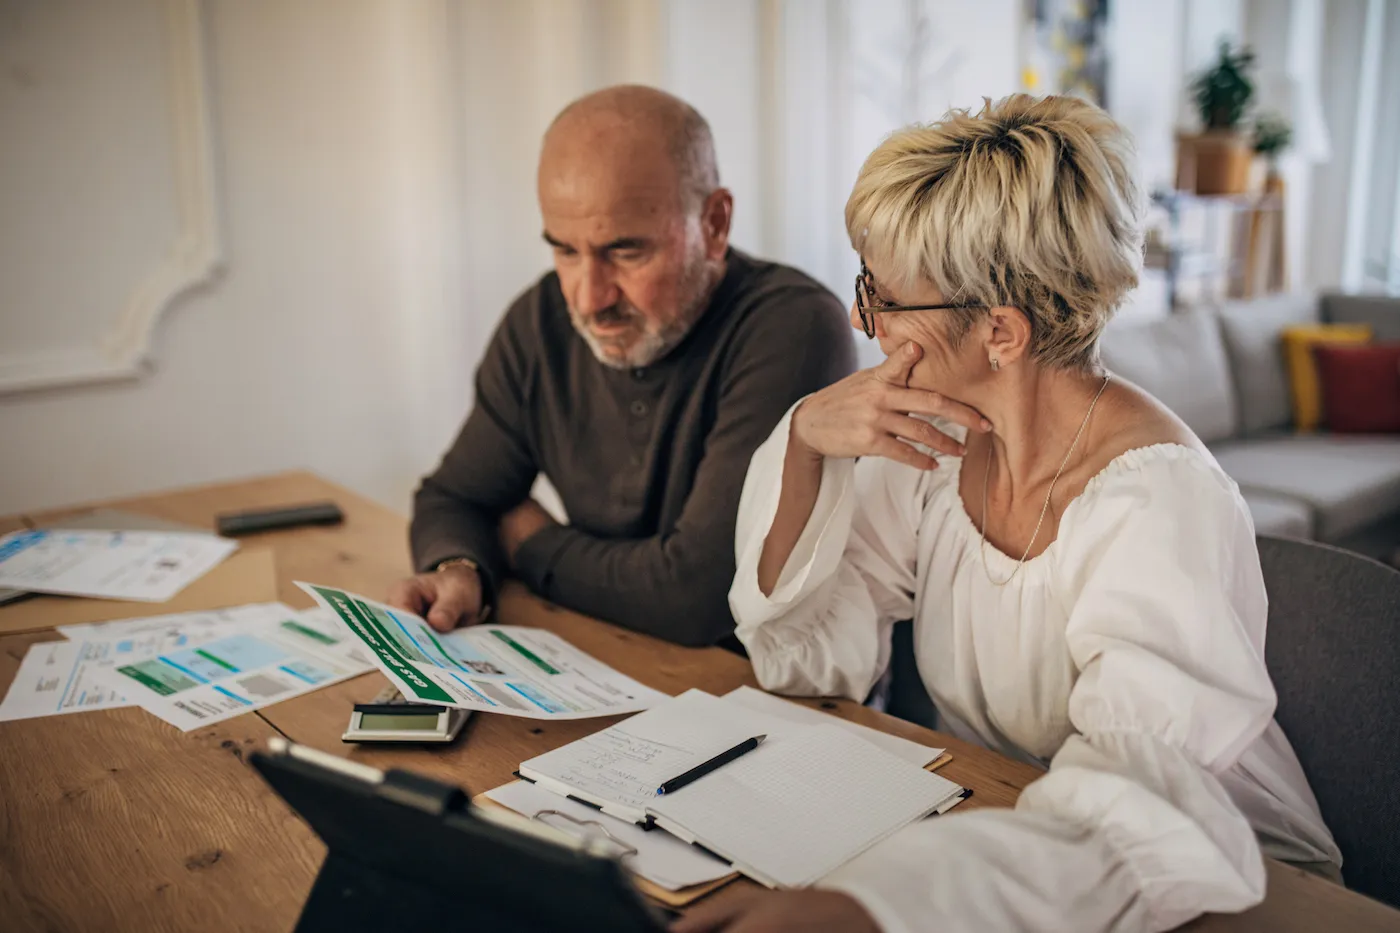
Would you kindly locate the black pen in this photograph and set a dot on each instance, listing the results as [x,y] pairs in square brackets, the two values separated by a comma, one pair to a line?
[704,768]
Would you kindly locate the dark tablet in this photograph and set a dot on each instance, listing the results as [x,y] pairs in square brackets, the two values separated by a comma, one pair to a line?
[407,852]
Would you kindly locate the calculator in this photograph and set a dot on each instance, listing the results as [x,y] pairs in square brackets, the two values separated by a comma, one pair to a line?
[390,717]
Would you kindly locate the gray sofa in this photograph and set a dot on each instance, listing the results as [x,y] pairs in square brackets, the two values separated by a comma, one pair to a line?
[1222,371]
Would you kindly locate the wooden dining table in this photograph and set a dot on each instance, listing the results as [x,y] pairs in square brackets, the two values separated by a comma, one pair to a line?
[114,820]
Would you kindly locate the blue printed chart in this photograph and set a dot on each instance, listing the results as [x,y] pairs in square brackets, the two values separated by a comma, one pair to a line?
[279,655]
[504,669]
[69,676]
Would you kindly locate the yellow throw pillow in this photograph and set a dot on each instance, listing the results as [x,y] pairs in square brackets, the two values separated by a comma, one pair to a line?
[1306,388]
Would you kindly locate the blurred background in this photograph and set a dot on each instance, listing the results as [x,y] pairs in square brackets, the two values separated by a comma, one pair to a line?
[244,236]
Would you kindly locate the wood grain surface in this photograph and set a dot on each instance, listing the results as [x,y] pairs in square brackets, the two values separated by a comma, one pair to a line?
[114,820]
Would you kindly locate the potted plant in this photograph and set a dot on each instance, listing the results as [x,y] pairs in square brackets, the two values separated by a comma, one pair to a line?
[1217,160]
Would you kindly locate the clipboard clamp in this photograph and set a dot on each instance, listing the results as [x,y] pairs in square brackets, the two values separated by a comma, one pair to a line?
[623,849]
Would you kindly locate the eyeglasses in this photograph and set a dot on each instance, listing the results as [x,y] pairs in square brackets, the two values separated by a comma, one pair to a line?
[869,304]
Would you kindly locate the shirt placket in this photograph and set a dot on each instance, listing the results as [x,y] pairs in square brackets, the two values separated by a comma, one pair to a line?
[641,413]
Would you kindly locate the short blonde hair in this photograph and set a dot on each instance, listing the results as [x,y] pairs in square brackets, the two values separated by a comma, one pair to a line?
[1032,203]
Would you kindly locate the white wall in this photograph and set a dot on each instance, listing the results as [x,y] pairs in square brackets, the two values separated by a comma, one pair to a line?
[1341,101]
[716,63]
[104,66]
[1145,82]
[306,351]
[1205,24]
[1379,241]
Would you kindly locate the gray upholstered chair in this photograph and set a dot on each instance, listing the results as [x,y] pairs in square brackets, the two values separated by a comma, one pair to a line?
[1333,650]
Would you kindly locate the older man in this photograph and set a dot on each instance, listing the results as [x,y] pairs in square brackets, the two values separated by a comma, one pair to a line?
[639,376]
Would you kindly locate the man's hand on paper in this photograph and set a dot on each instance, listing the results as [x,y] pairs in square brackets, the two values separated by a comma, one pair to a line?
[763,911]
[520,524]
[447,598]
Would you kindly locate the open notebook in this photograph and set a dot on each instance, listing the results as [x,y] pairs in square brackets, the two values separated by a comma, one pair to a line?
[807,800]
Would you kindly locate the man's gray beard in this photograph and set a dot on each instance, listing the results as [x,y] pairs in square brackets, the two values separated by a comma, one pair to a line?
[647,349]
[652,345]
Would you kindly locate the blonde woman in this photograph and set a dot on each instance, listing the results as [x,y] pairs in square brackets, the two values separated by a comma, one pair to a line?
[1082,577]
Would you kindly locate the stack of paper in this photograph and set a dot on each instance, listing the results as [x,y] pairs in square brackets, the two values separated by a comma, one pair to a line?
[142,565]
[807,800]
[278,657]
[802,805]
[69,676]
[105,520]
[248,575]
[190,669]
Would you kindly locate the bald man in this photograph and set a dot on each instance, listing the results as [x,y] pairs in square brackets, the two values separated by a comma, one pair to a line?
[638,376]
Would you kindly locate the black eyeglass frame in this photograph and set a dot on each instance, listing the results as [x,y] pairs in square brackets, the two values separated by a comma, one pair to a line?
[866,298]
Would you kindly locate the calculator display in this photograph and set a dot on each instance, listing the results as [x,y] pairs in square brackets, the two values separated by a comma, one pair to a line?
[397,722]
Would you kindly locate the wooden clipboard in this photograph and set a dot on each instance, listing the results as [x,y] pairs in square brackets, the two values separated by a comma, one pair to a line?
[683,897]
[248,575]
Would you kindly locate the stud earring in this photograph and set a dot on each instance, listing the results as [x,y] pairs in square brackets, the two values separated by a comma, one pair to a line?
[996,364]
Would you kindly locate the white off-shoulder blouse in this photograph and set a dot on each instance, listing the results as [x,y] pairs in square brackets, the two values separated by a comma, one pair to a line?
[1127,659]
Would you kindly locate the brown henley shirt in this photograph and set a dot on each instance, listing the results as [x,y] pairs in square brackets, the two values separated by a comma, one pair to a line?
[648,462]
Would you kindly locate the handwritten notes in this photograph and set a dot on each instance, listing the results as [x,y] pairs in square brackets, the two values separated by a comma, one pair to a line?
[621,767]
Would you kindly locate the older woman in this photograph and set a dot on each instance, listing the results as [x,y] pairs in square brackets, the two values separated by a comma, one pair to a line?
[1082,577]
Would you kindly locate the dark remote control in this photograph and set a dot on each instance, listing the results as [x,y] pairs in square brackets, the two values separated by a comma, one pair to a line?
[244,523]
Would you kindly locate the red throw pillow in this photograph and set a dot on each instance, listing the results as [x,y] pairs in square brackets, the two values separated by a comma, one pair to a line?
[1360,387]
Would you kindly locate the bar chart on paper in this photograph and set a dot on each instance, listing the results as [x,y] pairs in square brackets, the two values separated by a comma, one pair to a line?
[281,657]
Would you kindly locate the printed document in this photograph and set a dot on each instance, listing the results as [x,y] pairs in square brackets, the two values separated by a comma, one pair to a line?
[66,676]
[505,669]
[147,566]
[279,655]
[155,634]
[57,677]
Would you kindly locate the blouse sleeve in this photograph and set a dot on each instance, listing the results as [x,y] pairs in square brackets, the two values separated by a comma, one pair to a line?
[825,628]
[1130,829]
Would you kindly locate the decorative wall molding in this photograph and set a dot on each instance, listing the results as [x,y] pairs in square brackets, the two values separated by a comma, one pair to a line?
[192,259]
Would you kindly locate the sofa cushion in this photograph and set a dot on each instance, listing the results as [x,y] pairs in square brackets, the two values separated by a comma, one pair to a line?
[1252,332]
[1379,311]
[1278,515]
[1349,482]
[1181,360]
[1298,345]
[1360,388]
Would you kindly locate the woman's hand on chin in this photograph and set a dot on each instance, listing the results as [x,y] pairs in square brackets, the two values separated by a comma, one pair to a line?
[762,911]
[870,413]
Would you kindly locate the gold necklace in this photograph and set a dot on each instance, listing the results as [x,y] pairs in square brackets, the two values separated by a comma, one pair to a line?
[986,480]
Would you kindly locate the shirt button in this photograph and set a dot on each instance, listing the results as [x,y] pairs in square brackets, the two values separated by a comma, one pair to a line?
[639,408]
[639,374]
